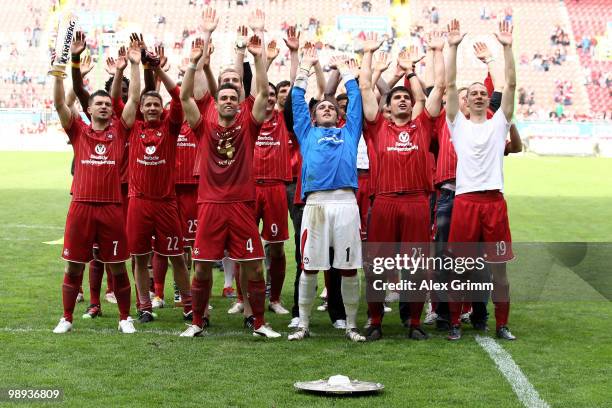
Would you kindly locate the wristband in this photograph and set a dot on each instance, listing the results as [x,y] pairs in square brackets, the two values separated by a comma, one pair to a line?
[410,75]
[75,65]
[75,58]
[489,60]
[192,66]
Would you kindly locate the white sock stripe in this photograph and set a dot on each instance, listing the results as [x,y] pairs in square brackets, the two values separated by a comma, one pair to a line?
[521,386]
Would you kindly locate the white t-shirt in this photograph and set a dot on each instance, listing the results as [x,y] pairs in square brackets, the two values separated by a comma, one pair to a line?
[363,163]
[480,152]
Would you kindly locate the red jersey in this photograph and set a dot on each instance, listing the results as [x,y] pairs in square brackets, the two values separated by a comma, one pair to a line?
[207,108]
[271,158]
[446,163]
[294,156]
[402,161]
[98,155]
[153,152]
[226,159]
[186,148]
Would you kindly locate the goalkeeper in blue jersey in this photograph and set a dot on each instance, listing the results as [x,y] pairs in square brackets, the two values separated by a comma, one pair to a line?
[329,180]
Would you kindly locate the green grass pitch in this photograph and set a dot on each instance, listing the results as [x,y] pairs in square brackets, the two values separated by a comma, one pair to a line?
[564,347]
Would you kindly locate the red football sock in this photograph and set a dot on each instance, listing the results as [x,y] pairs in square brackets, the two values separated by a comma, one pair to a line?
[502,311]
[70,291]
[160,267]
[96,273]
[187,300]
[455,313]
[109,281]
[466,307]
[376,313]
[200,294]
[240,297]
[277,277]
[416,308]
[123,292]
[257,299]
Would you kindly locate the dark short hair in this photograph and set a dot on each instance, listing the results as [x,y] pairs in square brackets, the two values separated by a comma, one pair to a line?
[109,83]
[273,87]
[463,88]
[396,90]
[326,99]
[283,84]
[342,97]
[99,92]
[227,85]
[154,94]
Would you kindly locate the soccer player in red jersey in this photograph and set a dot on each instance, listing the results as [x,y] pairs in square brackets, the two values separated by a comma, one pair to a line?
[226,192]
[400,213]
[480,213]
[272,169]
[95,214]
[152,209]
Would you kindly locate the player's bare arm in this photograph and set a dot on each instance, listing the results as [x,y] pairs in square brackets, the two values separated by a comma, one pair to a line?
[129,111]
[368,97]
[257,23]
[505,39]
[272,52]
[435,42]
[204,79]
[452,97]
[192,114]
[293,43]
[406,61]
[381,62]
[119,65]
[256,49]
[484,54]
[76,49]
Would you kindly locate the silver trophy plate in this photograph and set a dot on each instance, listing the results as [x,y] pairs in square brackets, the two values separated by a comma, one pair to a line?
[339,384]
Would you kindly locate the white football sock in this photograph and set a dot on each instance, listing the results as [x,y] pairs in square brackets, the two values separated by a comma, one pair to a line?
[350,296]
[308,291]
[229,266]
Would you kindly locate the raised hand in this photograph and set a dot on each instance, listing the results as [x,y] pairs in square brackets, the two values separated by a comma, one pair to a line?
[135,37]
[271,50]
[310,56]
[435,40]
[257,20]
[336,60]
[381,61]
[353,66]
[111,66]
[78,43]
[210,19]
[371,43]
[121,62]
[163,60]
[255,46]
[454,33]
[242,36]
[482,51]
[211,49]
[133,53]
[404,60]
[505,33]
[86,65]
[197,49]
[292,41]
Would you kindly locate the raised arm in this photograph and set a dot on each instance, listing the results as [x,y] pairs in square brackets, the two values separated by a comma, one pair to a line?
[515,145]
[257,23]
[482,52]
[129,111]
[190,108]
[435,42]
[452,97]
[333,81]
[59,100]
[272,52]
[405,60]
[241,44]
[299,108]
[204,80]
[119,65]
[505,39]
[76,49]
[256,48]
[381,63]
[293,43]
[320,76]
[368,97]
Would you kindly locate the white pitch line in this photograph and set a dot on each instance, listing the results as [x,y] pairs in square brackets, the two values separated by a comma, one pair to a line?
[523,389]
[77,330]
[33,226]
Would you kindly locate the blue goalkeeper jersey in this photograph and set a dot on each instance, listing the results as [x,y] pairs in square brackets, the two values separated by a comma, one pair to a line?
[329,155]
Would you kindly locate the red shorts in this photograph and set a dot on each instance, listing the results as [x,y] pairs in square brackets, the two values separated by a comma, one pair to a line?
[100,223]
[228,226]
[363,201]
[482,217]
[187,198]
[271,206]
[148,218]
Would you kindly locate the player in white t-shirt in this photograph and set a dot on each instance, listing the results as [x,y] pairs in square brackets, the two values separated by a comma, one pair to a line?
[480,213]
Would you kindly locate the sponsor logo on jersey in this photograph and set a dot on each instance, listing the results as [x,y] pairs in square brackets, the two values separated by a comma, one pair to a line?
[100,149]
[150,149]
[196,251]
[404,137]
